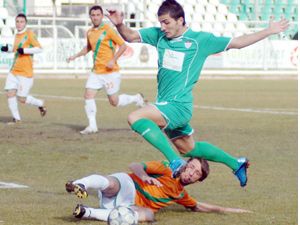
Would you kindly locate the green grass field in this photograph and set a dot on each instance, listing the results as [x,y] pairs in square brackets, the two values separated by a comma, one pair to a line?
[251,117]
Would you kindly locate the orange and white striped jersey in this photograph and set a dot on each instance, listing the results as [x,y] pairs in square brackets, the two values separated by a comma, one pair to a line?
[155,198]
[103,41]
[23,64]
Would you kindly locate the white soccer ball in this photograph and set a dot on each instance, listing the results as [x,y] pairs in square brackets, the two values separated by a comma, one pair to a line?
[122,215]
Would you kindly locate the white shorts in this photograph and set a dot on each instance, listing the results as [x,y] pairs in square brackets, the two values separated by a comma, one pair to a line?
[126,195]
[110,82]
[19,83]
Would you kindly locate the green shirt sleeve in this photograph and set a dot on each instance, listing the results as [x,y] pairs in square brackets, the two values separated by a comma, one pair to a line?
[150,35]
[216,44]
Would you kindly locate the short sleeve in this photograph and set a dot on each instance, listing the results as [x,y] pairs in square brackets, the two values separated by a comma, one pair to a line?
[115,37]
[215,44]
[156,167]
[150,35]
[33,40]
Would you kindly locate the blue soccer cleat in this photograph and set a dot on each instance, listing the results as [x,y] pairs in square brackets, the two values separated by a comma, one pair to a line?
[177,165]
[241,172]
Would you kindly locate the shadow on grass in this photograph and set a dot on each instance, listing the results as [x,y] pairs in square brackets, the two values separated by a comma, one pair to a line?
[71,219]
[5,119]
[78,128]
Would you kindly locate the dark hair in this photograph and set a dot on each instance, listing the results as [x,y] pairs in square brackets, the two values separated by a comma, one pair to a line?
[173,8]
[22,15]
[96,7]
[204,168]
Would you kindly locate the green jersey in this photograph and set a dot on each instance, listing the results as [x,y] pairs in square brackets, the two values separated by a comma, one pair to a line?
[180,60]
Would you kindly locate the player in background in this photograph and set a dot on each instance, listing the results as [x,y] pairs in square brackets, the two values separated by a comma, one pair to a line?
[103,41]
[181,55]
[148,189]
[20,78]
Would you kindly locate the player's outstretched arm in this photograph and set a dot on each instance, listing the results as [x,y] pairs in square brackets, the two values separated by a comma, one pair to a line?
[249,39]
[208,208]
[83,52]
[129,35]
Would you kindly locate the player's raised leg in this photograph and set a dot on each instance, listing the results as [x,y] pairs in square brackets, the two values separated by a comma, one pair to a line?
[147,122]
[186,144]
[112,87]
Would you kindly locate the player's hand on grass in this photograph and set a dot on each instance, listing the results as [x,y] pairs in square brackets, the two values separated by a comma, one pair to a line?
[152,181]
[236,210]
[279,26]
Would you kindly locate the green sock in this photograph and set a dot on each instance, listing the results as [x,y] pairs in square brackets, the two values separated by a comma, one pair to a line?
[152,133]
[212,153]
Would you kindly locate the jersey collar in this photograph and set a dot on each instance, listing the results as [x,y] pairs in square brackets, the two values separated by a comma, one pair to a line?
[22,31]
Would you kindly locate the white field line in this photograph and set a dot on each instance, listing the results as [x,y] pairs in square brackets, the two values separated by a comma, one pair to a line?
[265,111]
[11,185]
[292,112]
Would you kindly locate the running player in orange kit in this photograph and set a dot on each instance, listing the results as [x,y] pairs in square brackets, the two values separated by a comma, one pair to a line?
[103,41]
[20,78]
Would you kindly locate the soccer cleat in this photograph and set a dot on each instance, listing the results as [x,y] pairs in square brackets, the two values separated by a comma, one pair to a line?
[241,172]
[78,189]
[43,110]
[89,130]
[14,122]
[141,100]
[79,211]
[177,165]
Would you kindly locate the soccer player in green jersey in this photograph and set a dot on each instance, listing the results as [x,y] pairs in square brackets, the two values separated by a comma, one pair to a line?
[181,55]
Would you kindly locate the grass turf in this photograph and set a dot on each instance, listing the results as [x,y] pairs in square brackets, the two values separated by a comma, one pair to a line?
[44,153]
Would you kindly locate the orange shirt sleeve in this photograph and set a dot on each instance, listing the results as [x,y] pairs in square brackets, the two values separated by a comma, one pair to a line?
[157,167]
[33,40]
[115,37]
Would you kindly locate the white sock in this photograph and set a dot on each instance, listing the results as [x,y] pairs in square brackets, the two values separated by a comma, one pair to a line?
[13,107]
[97,182]
[91,110]
[34,101]
[125,99]
[98,214]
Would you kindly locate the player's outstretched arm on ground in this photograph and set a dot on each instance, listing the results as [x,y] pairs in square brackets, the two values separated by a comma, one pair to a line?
[249,39]
[129,35]
[208,208]
[138,170]
[83,52]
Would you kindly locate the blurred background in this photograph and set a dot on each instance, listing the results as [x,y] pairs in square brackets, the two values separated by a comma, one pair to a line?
[61,27]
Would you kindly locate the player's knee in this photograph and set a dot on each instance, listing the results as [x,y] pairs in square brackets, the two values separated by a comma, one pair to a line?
[132,117]
[10,94]
[89,94]
[22,99]
[114,102]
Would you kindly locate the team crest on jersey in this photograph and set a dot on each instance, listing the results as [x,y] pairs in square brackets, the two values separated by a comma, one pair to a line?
[188,44]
